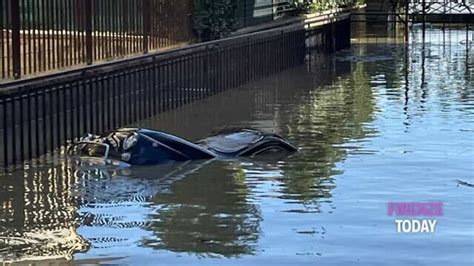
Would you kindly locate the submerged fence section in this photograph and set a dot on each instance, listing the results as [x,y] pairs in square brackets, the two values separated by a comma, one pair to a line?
[44,35]
[38,117]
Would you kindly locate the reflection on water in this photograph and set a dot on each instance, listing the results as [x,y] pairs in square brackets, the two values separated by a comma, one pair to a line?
[38,214]
[206,213]
[377,123]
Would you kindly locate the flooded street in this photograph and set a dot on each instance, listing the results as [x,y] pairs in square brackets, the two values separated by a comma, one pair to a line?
[378,123]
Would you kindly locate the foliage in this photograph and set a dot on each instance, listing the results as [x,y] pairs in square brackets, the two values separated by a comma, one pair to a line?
[214,19]
[301,7]
[312,6]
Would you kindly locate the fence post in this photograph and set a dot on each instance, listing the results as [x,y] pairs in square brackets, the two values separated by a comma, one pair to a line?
[245,13]
[16,42]
[407,7]
[88,17]
[146,24]
[423,2]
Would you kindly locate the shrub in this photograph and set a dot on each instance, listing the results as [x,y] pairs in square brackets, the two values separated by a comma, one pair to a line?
[214,19]
[310,6]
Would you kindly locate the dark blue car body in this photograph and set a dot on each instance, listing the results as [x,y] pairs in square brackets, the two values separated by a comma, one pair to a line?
[137,146]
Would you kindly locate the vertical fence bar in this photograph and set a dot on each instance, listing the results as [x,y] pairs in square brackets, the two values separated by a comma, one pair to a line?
[108,99]
[90,99]
[22,26]
[35,26]
[13,127]
[21,126]
[108,28]
[129,94]
[27,36]
[58,117]
[51,134]
[124,25]
[29,128]
[141,89]
[16,41]
[8,38]
[149,90]
[423,12]
[73,106]
[95,103]
[134,27]
[167,85]
[88,28]
[141,93]
[36,111]
[193,83]
[64,102]
[77,106]
[158,76]
[161,90]
[43,53]
[70,32]
[43,121]
[52,29]
[101,103]
[84,105]
[47,34]
[5,132]
[113,29]
[3,55]
[178,79]
[120,99]
[146,24]
[60,38]
[114,111]
[96,29]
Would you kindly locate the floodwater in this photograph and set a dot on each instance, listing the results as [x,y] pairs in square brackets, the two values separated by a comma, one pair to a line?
[378,123]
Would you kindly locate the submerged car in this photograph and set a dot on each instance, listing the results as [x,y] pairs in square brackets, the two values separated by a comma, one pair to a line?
[137,146]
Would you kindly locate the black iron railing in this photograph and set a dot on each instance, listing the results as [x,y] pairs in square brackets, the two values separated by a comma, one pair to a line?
[38,117]
[44,35]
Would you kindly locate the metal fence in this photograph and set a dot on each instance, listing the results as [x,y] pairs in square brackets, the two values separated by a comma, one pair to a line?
[40,36]
[37,117]
[44,35]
